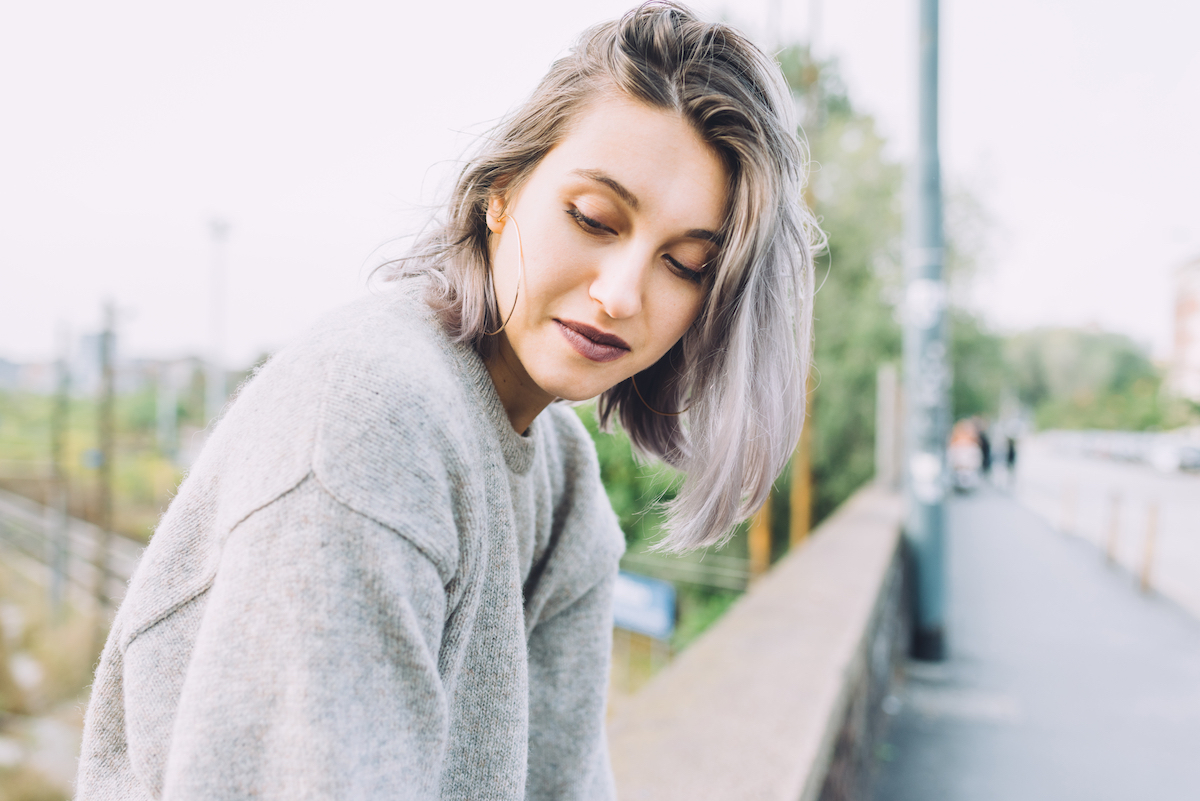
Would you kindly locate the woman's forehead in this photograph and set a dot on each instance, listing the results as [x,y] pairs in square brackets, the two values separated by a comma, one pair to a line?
[650,159]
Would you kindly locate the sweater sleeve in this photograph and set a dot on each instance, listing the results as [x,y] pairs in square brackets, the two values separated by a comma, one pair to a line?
[315,668]
[569,658]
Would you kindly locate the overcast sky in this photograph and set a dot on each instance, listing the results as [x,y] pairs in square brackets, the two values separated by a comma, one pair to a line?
[322,131]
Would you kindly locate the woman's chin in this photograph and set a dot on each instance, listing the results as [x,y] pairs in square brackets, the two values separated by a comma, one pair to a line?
[575,390]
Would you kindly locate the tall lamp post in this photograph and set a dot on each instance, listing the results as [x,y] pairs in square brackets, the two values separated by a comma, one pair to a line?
[926,367]
[214,381]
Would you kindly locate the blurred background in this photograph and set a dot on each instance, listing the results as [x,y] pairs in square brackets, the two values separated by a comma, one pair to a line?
[185,188]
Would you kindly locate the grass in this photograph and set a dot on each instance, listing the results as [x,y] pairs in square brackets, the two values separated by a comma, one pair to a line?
[65,648]
[22,783]
[144,481]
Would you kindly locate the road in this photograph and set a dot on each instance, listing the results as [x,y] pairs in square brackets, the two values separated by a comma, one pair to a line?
[1063,682]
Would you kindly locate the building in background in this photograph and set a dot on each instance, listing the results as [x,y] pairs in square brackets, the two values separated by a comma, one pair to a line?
[1185,361]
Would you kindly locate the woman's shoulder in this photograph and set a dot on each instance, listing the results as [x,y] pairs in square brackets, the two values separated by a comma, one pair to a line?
[362,404]
[389,337]
[371,400]
[382,358]
[386,348]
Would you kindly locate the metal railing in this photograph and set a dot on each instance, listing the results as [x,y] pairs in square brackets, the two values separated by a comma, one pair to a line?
[33,533]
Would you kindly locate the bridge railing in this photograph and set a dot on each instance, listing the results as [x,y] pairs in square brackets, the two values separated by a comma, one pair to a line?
[781,698]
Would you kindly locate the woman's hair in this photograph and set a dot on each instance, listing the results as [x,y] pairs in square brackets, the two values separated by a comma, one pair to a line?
[740,369]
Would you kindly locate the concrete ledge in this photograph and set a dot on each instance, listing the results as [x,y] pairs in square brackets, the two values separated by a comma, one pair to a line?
[761,704]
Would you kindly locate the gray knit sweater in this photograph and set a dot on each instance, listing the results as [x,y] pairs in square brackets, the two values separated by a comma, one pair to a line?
[369,587]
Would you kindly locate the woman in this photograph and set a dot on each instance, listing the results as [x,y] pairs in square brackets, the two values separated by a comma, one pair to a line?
[389,575]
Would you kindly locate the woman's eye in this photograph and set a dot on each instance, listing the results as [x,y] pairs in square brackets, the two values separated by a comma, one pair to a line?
[587,223]
[695,276]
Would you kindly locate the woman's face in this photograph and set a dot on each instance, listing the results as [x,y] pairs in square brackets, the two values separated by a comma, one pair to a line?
[618,225]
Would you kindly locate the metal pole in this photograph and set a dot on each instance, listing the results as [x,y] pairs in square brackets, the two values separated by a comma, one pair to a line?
[814,26]
[926,368]
[214,382]
[167,410]
[774,36]
[107,447]
[59,541]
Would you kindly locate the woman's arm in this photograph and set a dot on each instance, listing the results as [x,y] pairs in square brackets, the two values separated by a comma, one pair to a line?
[569,658]
[314,672]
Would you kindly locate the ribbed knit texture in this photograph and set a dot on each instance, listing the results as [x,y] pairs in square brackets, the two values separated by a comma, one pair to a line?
[368,587]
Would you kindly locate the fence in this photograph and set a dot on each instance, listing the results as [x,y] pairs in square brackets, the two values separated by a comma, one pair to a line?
[28,531]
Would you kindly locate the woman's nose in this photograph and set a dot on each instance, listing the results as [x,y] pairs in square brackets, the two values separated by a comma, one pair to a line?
[620,284]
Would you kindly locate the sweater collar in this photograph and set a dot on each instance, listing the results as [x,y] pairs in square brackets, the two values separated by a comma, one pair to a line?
[518,450]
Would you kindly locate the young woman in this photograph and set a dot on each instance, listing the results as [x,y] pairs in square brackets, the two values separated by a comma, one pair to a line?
[389,575]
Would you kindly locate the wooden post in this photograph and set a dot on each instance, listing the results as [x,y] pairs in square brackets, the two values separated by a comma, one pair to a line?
[801,489]
[1067,524]
[887,421]
[800,496]
[1148,552]
[760,541]
[1114,527]
[621,673]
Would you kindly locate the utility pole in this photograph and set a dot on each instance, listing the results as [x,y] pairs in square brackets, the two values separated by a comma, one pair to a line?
[58,541]
[214,382]
[774,37]
[926,370]
[814,26]
[105,426]
[167,410]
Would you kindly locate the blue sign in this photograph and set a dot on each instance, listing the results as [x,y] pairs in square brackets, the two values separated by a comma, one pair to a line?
[644,605]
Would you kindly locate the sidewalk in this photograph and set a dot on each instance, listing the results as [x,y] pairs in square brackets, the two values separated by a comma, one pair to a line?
[1063,682]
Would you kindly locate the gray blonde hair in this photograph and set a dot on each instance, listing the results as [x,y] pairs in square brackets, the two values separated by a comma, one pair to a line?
[740,369]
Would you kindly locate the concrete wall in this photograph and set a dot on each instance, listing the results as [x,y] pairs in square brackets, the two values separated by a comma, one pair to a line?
[781,698]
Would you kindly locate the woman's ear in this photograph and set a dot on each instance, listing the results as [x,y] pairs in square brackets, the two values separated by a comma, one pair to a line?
[495,214]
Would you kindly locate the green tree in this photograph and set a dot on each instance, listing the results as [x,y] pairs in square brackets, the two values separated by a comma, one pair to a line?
[1074,378]
[856,194]
[980,370]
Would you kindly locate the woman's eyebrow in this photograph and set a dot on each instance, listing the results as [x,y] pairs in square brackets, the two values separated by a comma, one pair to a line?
[632,201]
[705,234]
[613,184]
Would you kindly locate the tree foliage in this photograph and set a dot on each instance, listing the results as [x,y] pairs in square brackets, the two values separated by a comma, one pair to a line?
[856,194]
[977,359]
[1074,378]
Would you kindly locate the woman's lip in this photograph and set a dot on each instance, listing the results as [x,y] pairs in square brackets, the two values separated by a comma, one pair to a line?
[592,343]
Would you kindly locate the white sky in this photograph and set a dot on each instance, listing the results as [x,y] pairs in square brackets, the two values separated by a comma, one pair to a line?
[321,131]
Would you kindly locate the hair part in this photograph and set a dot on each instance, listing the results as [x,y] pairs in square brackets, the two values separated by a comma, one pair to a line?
[741,368]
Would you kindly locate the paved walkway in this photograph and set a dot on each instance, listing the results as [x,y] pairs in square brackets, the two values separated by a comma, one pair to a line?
[1064,682]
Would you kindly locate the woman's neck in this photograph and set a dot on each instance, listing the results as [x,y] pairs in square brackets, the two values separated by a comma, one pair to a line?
[523,400]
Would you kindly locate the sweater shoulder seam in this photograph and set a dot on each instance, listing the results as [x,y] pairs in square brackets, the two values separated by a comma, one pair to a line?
[208,577]
[441,560]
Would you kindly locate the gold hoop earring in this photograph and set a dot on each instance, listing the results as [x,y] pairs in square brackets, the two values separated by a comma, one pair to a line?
[520,277]
[651,408]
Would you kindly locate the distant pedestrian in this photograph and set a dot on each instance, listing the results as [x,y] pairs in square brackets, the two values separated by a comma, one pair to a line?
[1010,455]
[985,449]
